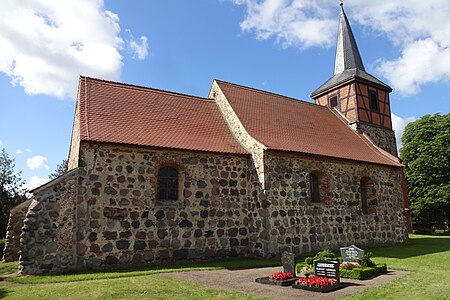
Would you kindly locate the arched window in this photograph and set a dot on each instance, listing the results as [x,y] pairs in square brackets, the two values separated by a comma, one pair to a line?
[314,187]
[368,201]
[167,184]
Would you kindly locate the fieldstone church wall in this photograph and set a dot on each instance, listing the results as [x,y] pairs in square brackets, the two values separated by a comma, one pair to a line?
[123,223]
[382,137]
[105,212]
[288,220]
[47,239]
[14,229]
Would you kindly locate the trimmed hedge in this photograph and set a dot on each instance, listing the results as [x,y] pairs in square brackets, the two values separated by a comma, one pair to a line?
[363,273]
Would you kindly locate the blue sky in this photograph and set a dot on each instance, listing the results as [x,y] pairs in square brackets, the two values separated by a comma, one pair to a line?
[286,47]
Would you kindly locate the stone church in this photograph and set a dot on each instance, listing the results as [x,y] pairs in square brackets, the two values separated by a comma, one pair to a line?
[159,176]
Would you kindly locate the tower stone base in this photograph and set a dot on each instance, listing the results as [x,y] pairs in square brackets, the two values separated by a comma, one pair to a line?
[382,137]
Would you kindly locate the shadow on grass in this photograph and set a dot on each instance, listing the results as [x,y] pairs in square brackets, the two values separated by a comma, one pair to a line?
[349,284]
[416,246]
[3,292]
[229,264]
[149,269]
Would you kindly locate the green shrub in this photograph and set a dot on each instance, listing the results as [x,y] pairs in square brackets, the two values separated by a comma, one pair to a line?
[363,273]
[322,255]
[300,266]
[365,260]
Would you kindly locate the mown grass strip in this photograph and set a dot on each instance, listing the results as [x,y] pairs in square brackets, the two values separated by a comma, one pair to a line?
[243,263]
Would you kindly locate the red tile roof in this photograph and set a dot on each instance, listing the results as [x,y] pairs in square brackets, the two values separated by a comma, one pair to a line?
[128,114]
[283,123]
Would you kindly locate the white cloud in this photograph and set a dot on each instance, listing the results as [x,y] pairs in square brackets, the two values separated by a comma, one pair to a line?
[398,125]
[1,143]
[35,182]
[292,23]
[140,50]
[46,45]
[20,151]
[420,29]
[37,162]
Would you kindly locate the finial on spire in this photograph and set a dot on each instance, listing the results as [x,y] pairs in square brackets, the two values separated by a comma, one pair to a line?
[341,3]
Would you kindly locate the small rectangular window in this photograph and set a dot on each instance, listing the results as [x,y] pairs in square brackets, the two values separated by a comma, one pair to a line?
[373,98]
[333,101]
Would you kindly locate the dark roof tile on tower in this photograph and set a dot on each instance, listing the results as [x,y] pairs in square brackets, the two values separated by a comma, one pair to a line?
[286,124]
[127,114]
[348,63]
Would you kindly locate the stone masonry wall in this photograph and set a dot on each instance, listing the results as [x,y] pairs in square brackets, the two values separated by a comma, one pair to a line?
[121,222]
[105,212]
[14,229]
[287,220]
[47,240]
[382,137]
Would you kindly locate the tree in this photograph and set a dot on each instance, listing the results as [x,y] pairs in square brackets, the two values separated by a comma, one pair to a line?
[426,155]
[60,169]
[11,192]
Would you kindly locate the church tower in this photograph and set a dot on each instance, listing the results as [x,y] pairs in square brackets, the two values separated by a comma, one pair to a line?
[358,96]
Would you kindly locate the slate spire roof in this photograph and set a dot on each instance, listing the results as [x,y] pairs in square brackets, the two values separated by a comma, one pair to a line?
[347,53]
[348,63]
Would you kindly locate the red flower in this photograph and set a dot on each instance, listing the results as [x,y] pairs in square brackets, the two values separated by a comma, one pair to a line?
[316,281]
[281,276]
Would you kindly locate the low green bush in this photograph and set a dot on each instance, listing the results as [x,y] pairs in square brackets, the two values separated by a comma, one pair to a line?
[299,266]
[363,273]
[322,255]
[366,260]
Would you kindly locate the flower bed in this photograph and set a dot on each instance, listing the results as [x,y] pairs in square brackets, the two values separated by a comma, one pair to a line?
[281,276]
[278,278]
[317,284]
[361,273]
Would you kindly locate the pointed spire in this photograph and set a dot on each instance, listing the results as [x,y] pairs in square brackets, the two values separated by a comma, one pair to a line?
[347,53]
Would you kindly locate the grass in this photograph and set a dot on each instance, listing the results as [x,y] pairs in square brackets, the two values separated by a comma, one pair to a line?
[426,257]
[428,260]
[9,267]
[242,263]
[144,287]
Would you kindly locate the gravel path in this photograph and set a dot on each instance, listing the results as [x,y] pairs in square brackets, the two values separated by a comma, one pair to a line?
[244,281]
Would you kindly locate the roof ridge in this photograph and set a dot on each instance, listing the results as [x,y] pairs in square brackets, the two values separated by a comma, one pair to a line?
[145,88]
[271,93]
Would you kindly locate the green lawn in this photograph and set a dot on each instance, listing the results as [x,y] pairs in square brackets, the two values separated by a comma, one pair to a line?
[427,257]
